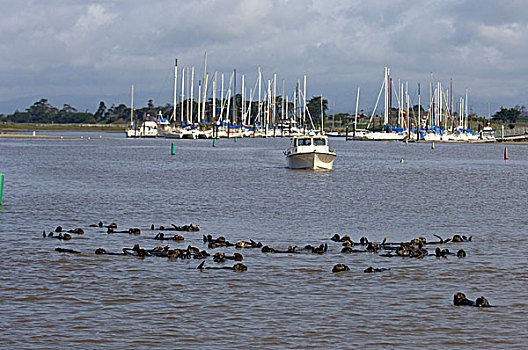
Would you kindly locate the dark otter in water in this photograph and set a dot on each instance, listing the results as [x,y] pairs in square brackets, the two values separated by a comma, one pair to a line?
[100,224]
[102,251]
[188,228]
[348,250]
[411,251]
[371,269]
[363,240]
[61,236]
[221,257]
[137,251]
[177,237]
[321,249]
[459,299]
[64,250]
[131,231]
[336,238]
[247,244]
[482,302]
[77,230]
[340,268]
[442,252]
[461,253]
[459,238]
[236,267]
[373,247]
[290,249]
[219,242]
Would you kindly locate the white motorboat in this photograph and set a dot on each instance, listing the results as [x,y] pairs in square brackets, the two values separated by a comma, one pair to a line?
[488,134]
[310,152]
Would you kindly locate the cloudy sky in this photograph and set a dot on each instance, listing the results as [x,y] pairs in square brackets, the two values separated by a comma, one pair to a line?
[81,52]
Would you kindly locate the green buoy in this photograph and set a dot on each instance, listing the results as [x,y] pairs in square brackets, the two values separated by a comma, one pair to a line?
[214,142]
[173,149]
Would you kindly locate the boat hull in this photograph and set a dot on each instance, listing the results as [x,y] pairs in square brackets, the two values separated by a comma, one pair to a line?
[313,160]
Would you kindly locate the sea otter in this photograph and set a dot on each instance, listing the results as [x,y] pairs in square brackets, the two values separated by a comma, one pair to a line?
[236,267]
[340,268]
[459,299]
[371,269]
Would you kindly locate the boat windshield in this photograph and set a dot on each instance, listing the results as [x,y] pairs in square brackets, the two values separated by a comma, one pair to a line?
[304,142]
[319,142]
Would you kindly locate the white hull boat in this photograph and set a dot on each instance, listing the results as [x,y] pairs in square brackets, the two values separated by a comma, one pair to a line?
[310,152]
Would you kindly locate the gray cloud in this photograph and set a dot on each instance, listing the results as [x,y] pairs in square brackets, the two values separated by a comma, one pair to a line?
[86,51]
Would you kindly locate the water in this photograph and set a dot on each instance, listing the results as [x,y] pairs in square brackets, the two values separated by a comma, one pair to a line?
[242,190]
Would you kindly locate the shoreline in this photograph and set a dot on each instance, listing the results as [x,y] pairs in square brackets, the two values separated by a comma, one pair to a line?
[9,128]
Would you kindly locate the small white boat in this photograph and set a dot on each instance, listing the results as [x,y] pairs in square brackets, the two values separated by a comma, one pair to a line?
[310,152]
[149,128]
[488,134]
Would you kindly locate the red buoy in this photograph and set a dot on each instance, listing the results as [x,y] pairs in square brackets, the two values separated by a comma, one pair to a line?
[506,153]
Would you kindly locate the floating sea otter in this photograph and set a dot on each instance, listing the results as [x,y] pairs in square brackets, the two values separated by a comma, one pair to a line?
[221,257]
[236,267]
[188,228]
[340,268]
[371,269]
[247,244]
[177,237]
[64,250]
[290,249]
[459,299]
[61,236]
[219,242]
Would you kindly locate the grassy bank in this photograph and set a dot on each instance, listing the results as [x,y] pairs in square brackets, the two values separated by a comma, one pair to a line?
[63,127]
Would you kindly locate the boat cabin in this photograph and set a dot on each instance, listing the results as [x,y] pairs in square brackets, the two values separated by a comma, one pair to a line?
[309,141]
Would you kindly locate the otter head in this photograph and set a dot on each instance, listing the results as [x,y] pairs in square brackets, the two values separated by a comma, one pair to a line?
[239,267]
[482,302]
[457,239]
[340,268]
[460,299]
[179,237]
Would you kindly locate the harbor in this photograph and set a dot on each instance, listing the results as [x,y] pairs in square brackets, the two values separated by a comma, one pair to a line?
[243,190]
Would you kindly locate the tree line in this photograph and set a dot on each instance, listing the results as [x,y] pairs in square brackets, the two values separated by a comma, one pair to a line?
[42,112]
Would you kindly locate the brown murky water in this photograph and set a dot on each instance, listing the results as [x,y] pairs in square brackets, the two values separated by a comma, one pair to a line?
[242,190]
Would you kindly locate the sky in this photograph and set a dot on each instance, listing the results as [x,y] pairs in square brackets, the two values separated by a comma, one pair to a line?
[80,52]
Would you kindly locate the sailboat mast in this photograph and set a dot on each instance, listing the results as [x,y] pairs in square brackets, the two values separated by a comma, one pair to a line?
[386,82]
[132,105]
[191,110]
[204,96]
[419,121]
[356,117]
[259,109]
[467,115]
[322,115]
[304,101]
[175,89]
[214,100]
[182,93]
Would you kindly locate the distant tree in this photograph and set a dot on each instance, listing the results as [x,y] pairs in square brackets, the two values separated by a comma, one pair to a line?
[506,115]
[100,113]
[314,107]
